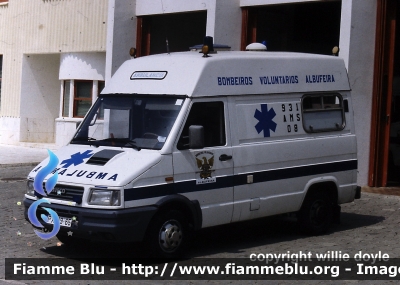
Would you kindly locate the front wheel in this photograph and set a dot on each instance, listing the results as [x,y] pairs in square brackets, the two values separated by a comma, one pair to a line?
[168,233]
[315,215]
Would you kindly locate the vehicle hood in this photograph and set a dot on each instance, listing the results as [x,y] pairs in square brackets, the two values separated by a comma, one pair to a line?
[99,166]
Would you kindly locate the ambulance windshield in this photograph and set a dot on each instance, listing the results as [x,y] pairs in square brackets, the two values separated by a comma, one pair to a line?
[129,121]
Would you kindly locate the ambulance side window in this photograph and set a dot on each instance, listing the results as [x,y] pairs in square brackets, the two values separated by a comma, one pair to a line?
[322,113]
[210,115]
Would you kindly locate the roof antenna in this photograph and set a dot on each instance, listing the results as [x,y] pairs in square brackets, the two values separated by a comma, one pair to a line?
[166,41]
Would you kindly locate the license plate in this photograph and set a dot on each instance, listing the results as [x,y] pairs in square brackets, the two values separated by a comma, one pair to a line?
[64,222]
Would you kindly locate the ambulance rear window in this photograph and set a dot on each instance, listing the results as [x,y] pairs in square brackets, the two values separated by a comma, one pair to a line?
[323,113]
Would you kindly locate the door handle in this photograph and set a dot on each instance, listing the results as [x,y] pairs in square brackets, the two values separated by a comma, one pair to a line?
[224,157]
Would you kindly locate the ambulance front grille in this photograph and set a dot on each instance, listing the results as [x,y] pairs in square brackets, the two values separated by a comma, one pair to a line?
[67,193]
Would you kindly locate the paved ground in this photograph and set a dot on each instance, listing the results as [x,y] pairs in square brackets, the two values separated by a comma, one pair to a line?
[371,224]
[22,155]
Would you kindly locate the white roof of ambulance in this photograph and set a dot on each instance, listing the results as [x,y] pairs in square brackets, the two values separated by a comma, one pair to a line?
[229,73]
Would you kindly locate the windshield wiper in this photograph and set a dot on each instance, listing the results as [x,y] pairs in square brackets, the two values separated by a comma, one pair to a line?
[83,139]
[133,144]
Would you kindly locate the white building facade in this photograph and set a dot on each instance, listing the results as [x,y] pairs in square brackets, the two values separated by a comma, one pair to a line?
[48,48]
[83,53]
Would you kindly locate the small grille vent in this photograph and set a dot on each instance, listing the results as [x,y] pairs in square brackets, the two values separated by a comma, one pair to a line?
[103,156]
[66,193]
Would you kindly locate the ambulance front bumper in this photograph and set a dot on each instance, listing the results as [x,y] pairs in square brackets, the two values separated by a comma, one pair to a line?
[120,225]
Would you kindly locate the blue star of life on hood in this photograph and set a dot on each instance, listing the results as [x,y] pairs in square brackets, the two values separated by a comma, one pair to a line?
[76,158]
[265,122]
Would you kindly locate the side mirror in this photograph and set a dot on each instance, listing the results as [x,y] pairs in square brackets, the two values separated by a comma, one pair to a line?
[196,137]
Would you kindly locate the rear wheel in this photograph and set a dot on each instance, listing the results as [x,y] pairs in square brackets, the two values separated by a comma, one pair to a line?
[316,214]
[168,233]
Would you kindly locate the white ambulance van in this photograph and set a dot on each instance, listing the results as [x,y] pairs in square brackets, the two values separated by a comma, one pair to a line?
[184,141]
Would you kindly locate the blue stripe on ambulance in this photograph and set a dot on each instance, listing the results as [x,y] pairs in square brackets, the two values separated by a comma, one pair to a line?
[132,194]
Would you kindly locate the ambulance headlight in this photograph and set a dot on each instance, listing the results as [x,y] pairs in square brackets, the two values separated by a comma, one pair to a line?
[30,190]
[104,197]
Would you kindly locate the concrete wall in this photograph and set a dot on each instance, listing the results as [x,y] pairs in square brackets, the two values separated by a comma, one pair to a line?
[76,66]
[29,27]
[40,98]
[121,30]
[153,7]
[271,2]
[121,33]
[33,27]
[84,66]
[357,48]
[227,23]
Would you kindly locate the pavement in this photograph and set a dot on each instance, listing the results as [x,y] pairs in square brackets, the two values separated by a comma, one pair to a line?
[369,225]
[11,155]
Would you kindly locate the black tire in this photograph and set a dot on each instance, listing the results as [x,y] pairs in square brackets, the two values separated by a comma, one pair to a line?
[316,213]
[167,234]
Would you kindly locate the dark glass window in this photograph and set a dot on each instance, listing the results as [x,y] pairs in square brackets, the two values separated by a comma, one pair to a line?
[67,88]
[182,30]
[323,112]
[210,115]
[311,27]
[82,97]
